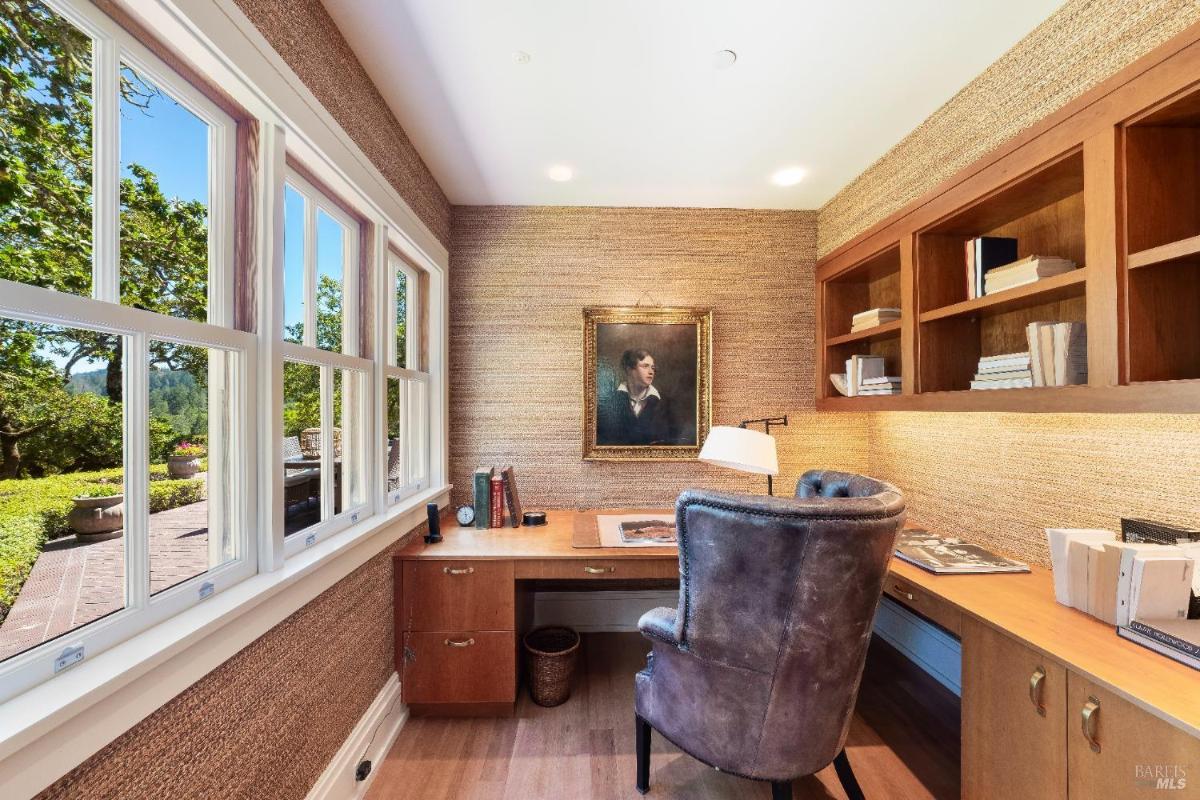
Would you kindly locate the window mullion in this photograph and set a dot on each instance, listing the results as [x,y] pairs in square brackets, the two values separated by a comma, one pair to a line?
[106,170]
[310,271]
[327,449]
[135,368]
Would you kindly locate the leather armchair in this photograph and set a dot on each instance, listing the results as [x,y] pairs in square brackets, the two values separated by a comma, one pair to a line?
[757,671]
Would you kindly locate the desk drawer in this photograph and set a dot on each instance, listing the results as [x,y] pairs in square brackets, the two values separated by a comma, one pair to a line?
[459,596]
[460,667]
[924,603]
[593,569]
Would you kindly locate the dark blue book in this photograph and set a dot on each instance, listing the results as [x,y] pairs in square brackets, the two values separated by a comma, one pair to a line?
[991,252]
[483,497]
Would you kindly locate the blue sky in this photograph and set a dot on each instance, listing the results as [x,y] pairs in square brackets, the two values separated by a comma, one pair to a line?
[169,140]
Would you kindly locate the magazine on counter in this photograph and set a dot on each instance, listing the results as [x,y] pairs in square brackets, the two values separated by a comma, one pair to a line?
[944,555]
[648,530]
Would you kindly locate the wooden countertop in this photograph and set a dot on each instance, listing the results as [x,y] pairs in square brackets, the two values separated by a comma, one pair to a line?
[1022,606]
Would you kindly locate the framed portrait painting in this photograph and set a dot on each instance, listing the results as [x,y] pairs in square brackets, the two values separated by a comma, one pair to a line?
[647,383]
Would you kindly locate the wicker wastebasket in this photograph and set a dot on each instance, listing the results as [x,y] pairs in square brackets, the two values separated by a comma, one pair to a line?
[551,653]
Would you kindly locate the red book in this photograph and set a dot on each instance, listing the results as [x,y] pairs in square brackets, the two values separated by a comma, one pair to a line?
[497,514]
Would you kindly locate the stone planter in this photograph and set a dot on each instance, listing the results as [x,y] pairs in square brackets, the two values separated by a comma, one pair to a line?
[97,516]
[182,466]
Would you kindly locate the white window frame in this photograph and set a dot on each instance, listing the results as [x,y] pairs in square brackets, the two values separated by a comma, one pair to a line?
[356,411]
[414,394]
[112,46]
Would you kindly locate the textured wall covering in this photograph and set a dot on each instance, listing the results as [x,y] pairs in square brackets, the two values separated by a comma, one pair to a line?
[1078,46]
[1000,479]
[520,278]
[265,723]
[304,34]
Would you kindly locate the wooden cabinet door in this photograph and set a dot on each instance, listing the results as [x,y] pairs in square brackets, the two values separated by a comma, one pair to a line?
[460,667]
[1140,756]
[468,595]
[1010,747]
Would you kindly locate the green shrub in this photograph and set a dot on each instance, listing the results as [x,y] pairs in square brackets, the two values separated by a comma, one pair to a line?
[34,510]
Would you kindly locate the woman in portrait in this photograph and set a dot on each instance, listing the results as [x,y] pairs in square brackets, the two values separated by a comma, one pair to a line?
[635,413]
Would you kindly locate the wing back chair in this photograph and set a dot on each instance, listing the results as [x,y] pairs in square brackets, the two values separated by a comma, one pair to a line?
[756,672]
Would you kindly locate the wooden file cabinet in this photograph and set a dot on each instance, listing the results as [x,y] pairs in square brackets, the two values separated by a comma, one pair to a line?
[459,638]
[1033,728]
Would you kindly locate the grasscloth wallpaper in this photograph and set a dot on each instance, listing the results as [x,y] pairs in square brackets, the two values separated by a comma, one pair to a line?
[520,278]
[265,723]
[1078,46]
[304,34]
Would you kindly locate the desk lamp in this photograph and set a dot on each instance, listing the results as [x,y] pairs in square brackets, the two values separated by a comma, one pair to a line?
[743,449]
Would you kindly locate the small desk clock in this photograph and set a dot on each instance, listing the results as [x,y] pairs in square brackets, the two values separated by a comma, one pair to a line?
[465,515]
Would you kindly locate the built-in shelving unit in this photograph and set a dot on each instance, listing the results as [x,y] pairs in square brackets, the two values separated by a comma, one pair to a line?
[1111,182]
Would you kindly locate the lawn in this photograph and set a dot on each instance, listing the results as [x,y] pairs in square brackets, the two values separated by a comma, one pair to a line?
[34,510]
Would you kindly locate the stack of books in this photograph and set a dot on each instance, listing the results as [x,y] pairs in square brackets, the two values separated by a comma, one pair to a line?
[883,385]
[1028,270]
[985,253]
[862,368]
[873,318]
[1008,371]
[1057,353]
[495,488]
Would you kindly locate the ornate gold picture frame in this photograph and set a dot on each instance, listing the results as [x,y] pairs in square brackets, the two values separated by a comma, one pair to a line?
[647,383]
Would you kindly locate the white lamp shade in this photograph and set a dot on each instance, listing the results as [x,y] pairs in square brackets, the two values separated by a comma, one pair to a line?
[741,449]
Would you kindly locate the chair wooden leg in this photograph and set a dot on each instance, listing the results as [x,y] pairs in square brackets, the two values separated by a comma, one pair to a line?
[846,776]
[643,755]
[781,790]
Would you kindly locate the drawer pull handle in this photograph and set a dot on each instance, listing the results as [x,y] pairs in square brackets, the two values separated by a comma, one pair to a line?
[1036,685]
[598,570]
[460,643]
[900,590]
[1090,718]
[462,571]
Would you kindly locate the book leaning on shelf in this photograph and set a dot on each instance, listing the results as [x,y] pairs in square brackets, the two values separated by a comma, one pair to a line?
[1057,353]
[983,254]
[860,368]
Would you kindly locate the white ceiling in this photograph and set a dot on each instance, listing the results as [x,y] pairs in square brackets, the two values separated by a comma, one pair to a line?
[626,92]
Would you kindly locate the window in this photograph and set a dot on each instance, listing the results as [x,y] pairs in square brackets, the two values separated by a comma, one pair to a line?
[406,392]
[326,385]
[115,353]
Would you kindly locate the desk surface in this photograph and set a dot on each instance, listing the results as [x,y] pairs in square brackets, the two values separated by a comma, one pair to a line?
[1021,606]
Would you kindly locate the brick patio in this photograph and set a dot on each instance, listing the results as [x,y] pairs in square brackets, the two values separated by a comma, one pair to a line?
[74,582]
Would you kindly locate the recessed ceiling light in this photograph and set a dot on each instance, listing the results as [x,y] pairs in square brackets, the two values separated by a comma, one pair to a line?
[521,57]
[724,59]
[560,173]
[789,176]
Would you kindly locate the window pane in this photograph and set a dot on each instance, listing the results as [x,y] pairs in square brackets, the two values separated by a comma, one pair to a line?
[401,318]
[45,150]
[293,265]
[331,243]
[301,446]
[418,430]
[348,388]
[190,529]
[164,202]
[63,559]
[395,458]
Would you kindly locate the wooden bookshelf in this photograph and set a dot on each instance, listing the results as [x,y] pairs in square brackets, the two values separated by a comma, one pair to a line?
[1112,182]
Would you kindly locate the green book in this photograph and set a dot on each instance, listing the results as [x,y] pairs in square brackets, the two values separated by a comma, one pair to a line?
[483,497]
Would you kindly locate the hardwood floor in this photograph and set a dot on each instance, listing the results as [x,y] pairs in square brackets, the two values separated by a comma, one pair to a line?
[584,748]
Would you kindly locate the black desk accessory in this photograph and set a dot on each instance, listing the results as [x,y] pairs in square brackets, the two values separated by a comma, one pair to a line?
[1145,530]
[767,423]
[534,517]
[435,528]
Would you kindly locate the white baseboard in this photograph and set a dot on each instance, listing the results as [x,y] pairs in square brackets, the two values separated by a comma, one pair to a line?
[383,720]
[599,611]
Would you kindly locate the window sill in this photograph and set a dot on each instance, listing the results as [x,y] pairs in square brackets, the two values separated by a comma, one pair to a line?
[55,726]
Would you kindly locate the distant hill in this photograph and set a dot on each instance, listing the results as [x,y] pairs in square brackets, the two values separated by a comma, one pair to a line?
[174,398]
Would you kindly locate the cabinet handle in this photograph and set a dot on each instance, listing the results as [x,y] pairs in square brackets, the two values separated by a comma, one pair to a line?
[1036,681]
[598,570]
[1090,717]
[460,643]
[462,571]
[900,590]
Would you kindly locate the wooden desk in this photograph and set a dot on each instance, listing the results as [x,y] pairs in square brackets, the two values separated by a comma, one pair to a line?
[462,604]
